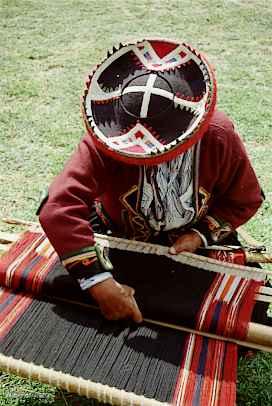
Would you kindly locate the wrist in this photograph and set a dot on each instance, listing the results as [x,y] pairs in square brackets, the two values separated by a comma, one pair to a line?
[89,266]
[101,290]
[204,242]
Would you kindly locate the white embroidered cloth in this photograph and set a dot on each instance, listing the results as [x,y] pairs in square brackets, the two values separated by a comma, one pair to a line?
[167,193]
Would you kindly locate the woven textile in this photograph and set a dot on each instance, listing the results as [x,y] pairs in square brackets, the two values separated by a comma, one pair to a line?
[157,362]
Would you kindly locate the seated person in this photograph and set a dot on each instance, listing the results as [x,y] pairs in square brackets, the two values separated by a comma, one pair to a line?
[159,163]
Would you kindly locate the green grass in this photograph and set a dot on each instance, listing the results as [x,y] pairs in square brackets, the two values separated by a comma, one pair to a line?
[47,48]
[255,381]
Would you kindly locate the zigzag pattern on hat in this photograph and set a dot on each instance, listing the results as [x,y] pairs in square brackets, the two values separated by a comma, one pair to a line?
[163,92]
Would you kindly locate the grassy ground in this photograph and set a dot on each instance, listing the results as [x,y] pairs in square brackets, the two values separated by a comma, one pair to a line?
[46,49]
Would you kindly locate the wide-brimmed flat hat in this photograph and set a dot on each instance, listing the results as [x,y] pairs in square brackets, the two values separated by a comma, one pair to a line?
[149,101]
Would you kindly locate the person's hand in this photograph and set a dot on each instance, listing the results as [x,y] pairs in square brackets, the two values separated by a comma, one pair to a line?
[116,301]
[189,242]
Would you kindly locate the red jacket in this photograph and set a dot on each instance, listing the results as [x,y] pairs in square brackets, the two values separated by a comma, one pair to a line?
[227,192]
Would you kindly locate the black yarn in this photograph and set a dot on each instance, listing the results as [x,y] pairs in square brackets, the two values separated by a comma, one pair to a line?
[144,360]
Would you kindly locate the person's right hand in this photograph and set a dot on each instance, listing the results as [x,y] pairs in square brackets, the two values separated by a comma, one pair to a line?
[116,301]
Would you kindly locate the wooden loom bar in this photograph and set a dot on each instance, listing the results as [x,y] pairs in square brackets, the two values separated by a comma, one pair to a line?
[265,293]
[250,256]
[83,387]
[6,239]
[263,298]
[259,333]
[185,258]
[195,260]
[253,340]
[266,290]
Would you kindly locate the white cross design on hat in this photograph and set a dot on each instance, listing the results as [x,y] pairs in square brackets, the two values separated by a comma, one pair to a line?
[149,90]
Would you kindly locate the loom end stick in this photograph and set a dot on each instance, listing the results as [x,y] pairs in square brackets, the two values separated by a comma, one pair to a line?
[260,257]
[259,334]
[75,384]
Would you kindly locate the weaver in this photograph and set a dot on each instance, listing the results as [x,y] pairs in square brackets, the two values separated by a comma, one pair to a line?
[158,164]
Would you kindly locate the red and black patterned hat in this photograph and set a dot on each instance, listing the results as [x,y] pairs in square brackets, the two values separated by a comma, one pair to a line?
[149,101]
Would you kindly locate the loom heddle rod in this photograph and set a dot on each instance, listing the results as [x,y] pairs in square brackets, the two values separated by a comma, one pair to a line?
[259,336]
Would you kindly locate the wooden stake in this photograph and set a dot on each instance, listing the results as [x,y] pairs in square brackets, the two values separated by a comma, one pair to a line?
[7,238]
[259,257]
[4,247]
[18,222]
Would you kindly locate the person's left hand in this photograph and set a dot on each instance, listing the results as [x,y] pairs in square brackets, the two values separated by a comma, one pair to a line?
[189,242]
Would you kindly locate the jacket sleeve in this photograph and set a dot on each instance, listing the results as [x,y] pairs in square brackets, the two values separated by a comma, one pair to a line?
[236,194]
[65,214]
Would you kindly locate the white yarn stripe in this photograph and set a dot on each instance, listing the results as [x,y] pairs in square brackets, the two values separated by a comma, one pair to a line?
[221,288]
[185,370]
[13,266]
[229,294]
[45,249]
[220,346]
[232,290]
[207,303]
[235,303]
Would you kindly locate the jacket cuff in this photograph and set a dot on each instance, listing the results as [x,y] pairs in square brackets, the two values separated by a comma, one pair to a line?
[212,230]
[86,264]
[94,280]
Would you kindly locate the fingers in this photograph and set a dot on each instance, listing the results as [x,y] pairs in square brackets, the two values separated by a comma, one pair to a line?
[183,243]
[130,311]
[188,242]
[136,314]
[119,303]
[128,290]
[111,316]
[179,246]
[172,250]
